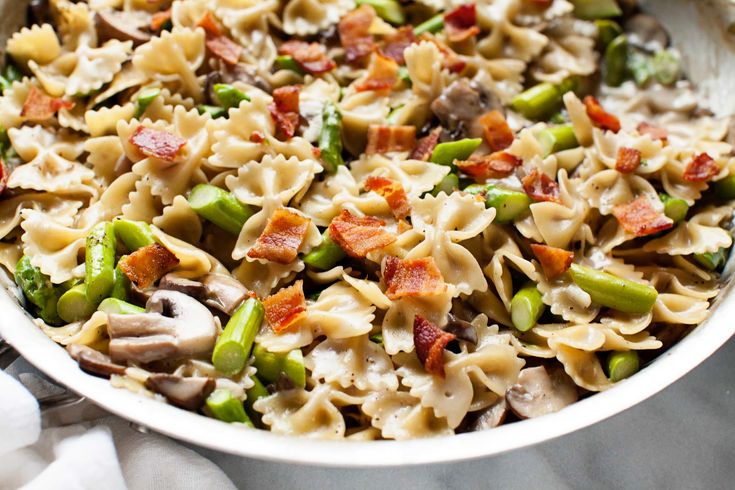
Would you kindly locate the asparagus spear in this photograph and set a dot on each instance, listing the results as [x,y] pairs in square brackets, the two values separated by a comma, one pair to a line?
[508,204]
[557,138]
[674,208]
[73,305]
[448,184]
[447,153]
[38,289]
[121,287]
[330,138]
[228,95]
[614,292]
[526,308]
[145,98]
[133,234]
[388,10]
[607,30]
[622,364]
[233,347]
[538,102]
[100,262]
[434,24]
[666,67]
[616,55]
[712,260]
[596,9]
[725,188]
[286,62]
[213,110]
[270,365]
[225,407]
[220,207]
[326,255]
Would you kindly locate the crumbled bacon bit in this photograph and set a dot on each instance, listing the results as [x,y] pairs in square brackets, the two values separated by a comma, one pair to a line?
[311,57]
[384,139]
[40,106]
[159,19]
[209,24]
[220,45]
[640,218]
[317,152]
[425,146]
[159,144]
[629,159]
[542,3]
[358,236]
[282,237]
[286,307]
[599,117]
[496,165]
[382,74]
[496,131]
[3,177]
[461,23]
[701,169]
[148,264]
[393,193]
[540,187]
[655,132]
[285,110]
[430,342]
[554,261]
[412,277]
[354,33]
[395,44]
[257,137]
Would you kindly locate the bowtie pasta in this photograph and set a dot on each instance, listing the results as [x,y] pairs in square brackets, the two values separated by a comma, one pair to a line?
[360,219]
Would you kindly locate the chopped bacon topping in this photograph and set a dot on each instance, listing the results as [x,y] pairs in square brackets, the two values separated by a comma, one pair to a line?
[554,261]
[599,117]
[358,236]
[281,238]
[3,177]
[311,57]
[496,165]
[542,3]
[159,19]
[655,132]
[540,187]
[382,74]
[640,218]
[257,137]
[395,44]
[39,106]
[393,193]
[412,277]
[430,342]
[461,23]
[354,33]
[159,144]
[701,168]
[285,110]
[286,307]
[383,139]
[220,45]
[148,264]
[425,146]
[496,131]
[629,159]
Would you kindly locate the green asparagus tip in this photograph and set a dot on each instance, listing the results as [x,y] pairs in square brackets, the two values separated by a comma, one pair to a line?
[73,305]
[232,349]
[225,407]
[229,96]
[388,10]
[432,25]
[326,255]
[220,207]
[622,364]
[526,308]
[447,153]
[614,292]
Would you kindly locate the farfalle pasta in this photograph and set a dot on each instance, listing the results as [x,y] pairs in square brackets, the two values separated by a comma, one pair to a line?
[359,220]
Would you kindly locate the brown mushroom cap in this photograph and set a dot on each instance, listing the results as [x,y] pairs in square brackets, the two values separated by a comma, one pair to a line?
[540,392]
[461,104]
[188,393]
[220,291]
[491,417]
[174,326]
[111,24]
[93,361]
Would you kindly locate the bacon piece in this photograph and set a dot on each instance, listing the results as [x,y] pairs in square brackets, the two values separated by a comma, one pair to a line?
[425,146]
[358,236]
[382,74]
[354,33]
[393,193]
[554,261]
[311,57]
[496,131]
[220,45]
[40,106]
[701,169]
[540,187]
[599,117]
[655,132]
[3,177]
[285,110]
[461,23]
[412,277]
[395,44]
[148,264]
[159,19]
[640,218]
[383,139]
[430,342]
[281,238]
[629,159]
[159,144]
[209,24]
[286,307]
[542,3]
[496,166]
[257,137]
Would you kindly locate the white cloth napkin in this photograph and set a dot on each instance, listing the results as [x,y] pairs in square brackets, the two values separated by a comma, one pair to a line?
[105,454]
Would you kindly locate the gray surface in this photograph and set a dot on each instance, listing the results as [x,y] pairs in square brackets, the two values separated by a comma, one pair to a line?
[683,437]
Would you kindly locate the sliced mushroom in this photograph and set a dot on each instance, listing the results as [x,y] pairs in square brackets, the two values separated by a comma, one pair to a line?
[174,326]
[461,329]
[645,32]
[540,392]
[224,292]
[188,393]
[491,417]
[110,24]
[461,104]
[173,282]
[93,361]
